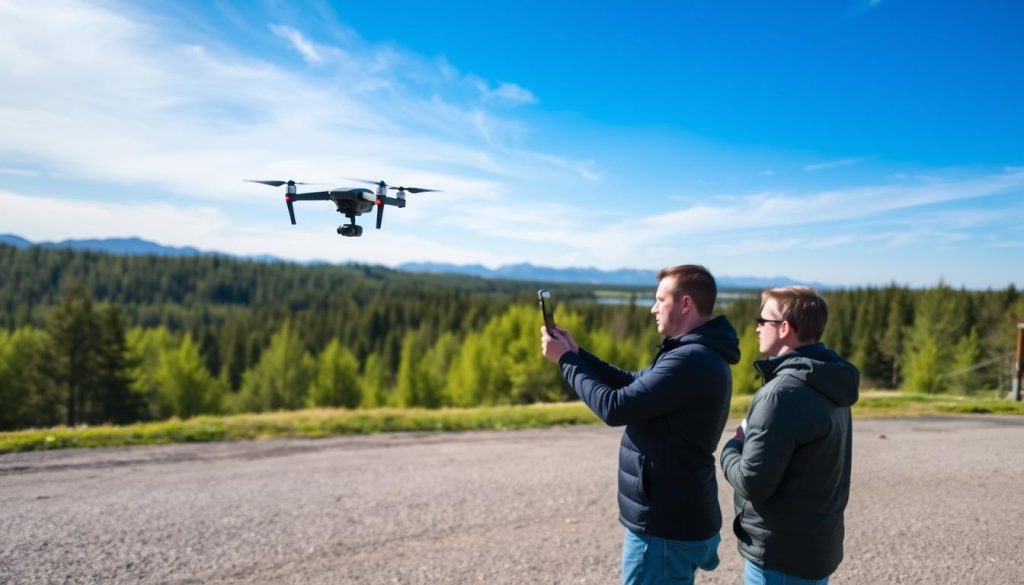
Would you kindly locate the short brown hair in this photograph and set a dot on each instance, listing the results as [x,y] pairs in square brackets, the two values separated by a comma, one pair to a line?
[803,308]
[696,281]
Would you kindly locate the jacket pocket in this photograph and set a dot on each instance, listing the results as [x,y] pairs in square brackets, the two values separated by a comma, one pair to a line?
[737,526]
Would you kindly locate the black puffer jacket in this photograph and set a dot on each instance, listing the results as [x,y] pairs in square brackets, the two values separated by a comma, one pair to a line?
[674,412]
[791,474]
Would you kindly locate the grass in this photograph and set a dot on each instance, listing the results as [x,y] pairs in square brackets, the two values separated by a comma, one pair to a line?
[332,422]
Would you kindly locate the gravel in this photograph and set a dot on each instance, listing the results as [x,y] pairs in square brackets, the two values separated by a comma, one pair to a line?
[937,500]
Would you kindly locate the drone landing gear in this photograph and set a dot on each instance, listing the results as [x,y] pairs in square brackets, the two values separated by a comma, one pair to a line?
[351,230]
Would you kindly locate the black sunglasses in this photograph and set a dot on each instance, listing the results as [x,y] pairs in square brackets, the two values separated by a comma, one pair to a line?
[762,320]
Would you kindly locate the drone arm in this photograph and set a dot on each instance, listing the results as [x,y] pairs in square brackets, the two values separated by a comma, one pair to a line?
[394,201]
[315,196]
[291,210]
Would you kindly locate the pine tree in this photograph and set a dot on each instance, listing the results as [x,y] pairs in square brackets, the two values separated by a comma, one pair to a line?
[375,383]
[115,402]
[337,381]
[73,330]
[964,376]
[409,390]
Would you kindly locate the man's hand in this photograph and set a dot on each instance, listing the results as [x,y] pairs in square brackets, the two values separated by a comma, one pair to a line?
[740,435]
[553,347]
[573,347]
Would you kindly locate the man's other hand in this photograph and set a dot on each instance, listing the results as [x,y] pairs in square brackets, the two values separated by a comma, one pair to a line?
[553,347]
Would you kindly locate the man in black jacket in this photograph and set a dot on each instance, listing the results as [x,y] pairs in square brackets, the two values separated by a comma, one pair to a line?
[790,466]
[674,412]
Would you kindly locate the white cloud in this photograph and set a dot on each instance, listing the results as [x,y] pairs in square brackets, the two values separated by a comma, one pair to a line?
[507,94]
[834,164]
[98,96]
[305,48]
[19,172]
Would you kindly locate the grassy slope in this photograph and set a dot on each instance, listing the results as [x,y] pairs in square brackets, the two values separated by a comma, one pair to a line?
[329,422]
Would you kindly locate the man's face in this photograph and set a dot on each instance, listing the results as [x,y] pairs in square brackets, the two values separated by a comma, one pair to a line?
[770,334]
[667,310]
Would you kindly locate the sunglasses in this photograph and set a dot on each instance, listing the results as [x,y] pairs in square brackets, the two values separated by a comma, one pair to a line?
[762,320]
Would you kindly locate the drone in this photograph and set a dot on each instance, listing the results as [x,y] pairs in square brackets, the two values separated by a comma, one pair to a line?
[350,202]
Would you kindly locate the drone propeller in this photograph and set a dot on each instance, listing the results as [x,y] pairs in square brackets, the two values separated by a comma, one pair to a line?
[288,197]
[415,189]
[383,184]
[278,183]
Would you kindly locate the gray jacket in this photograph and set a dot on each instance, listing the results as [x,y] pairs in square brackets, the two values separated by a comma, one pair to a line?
[791,474]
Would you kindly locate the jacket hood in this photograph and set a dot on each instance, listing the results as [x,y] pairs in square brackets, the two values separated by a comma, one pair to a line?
[717,334]
[820,368]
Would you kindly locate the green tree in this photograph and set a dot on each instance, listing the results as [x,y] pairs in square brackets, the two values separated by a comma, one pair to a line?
[965,377]
[281,378]
[436,363]
[745,379]
[145,349]
[186,388]
[28,396]
[375,383]
[337,381]
[114,400]
[940,318]
[470,377]
[922,369]
[73,359]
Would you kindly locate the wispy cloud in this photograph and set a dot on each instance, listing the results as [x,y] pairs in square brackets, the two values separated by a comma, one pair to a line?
[507,94]
[18,172]
[834,164]
[195,120]
[305,48]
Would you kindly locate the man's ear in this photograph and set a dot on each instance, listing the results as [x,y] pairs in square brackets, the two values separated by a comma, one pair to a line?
[784,329]
[687,302]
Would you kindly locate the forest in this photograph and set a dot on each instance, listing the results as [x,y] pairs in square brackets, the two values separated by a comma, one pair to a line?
[91,338]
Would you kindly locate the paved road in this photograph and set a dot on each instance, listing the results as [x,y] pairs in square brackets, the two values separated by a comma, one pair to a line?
[934,501]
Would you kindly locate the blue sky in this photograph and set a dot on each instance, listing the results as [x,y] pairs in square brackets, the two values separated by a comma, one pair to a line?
[847,142]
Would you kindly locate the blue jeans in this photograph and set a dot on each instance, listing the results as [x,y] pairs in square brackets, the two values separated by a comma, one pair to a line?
[754,574]
[648,560]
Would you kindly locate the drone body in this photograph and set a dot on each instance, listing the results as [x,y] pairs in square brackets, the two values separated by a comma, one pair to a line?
[350,202]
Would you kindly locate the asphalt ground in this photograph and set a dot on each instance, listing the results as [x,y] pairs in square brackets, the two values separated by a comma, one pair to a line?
[938,500]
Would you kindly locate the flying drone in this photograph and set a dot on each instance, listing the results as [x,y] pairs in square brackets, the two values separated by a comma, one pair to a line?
[350,202]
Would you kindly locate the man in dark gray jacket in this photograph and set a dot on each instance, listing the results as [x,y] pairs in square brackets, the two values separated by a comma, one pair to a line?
[674,412]
[790,465]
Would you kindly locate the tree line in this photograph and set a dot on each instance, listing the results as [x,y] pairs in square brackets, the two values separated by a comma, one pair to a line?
[95,338]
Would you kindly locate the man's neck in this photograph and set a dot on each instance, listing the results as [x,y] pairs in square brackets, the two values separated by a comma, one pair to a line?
[788,348]
[689,326]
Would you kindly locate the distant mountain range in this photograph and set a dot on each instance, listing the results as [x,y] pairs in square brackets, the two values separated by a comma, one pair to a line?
[529,272]
[625,276]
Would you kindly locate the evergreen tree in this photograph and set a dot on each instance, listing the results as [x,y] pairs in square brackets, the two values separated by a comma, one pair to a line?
[73,358]
[186,387]
[897,321]
[745,379]
[281,378]
[922,370]
[410,386]
[115,402]
[436,363]
[941,316]
[337,381]
[965,377]
[375,383]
